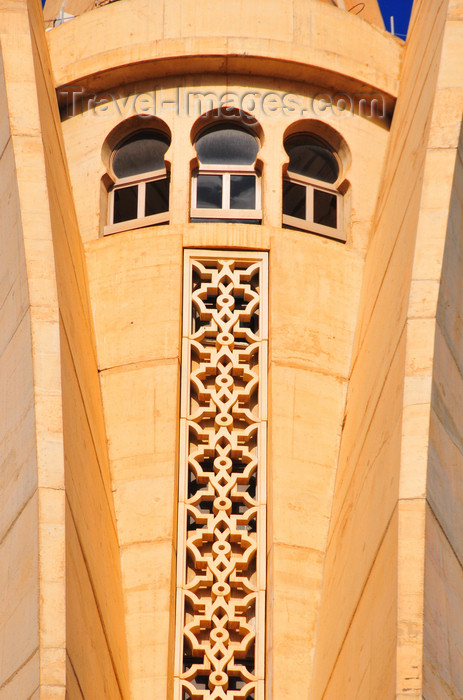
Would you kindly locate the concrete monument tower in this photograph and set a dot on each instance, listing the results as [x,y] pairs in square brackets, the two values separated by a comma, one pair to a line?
[231,351]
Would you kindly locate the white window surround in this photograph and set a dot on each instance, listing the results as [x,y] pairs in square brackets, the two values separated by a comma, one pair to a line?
[141,220]
[225,212]
[308,224]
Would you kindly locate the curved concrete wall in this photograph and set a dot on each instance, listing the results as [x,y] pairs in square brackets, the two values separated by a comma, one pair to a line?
[85,134]
[364,462]
[298,39]
[369,10]
[135,288]
[135,284]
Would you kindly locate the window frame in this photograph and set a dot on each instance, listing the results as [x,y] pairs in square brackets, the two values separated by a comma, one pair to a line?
[140,182]
[308,224]
[225,212]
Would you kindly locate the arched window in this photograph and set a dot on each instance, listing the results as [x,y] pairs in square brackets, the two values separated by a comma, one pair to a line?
[226,186]
[311,200]
[140,193]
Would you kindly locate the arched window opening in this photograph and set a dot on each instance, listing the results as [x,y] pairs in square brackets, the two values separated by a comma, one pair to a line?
[311,200]
[140,194]
[226,185]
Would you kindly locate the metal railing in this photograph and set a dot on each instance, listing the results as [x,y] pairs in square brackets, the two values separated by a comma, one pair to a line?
[66,17]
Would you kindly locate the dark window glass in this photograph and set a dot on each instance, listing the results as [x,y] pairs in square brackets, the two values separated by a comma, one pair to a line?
[157,197]
[141,153]
[209,192]
[324,208]
[125,203]
[312,159]
[242,192]
[294,200]
[227,144]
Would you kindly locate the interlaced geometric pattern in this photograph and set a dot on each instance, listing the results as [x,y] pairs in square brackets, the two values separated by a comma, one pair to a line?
[220,633]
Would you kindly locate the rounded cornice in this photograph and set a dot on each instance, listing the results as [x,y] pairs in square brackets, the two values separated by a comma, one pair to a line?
[298,40]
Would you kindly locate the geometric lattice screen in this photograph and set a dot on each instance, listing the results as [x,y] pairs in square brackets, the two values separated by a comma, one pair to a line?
[221,555]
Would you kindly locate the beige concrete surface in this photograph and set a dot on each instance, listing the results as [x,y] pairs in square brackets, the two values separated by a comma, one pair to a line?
[301,40]
[390,384]
[140,400]
[32,612]
[443,206]
[373,675]
[48,237]
[52,9]
[365,365]
[138,331]
[443,676]
[85,135]
[139,381]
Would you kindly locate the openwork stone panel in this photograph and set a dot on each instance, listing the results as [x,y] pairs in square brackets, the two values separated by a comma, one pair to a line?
[220,633]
